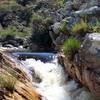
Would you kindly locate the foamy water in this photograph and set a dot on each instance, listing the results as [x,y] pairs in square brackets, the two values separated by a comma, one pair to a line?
[54,84]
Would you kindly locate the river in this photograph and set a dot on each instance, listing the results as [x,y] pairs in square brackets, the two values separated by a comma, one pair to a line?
[53,82]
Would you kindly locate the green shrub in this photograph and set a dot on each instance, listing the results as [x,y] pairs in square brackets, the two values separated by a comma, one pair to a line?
[80,28]
[48,21]
[41,19]
[8,82]
[36,18]
[61,2]
[71,46]
[23,14]
[63,27]
[11,5]
[95,27]
[13,31]
[8,31]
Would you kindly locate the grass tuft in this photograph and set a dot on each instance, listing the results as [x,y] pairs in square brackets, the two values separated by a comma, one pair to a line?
[13,31]
[80,28]
[95,27]
[71,46]
[8,82]
[63,27]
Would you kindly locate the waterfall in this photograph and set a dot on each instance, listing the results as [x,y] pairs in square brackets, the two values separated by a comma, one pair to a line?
[54,84]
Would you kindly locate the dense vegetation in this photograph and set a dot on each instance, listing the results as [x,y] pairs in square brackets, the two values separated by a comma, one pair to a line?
[29,19]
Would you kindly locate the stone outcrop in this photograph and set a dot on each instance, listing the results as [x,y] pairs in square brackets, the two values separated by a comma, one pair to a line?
[11,40]
[86,65]
[23,87]
[92,11]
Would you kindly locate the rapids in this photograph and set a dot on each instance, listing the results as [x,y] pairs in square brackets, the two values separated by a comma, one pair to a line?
[54,84]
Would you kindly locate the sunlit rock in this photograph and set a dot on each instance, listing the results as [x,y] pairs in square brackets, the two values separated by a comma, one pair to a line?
[23,89]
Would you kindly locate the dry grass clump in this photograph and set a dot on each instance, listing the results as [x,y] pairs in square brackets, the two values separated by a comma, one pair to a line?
[7,82]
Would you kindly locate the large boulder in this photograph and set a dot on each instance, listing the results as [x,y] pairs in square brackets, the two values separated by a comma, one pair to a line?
[11,40]
[86,65]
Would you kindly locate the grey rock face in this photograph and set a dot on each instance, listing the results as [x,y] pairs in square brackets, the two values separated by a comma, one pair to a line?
[93,43]
[89,63]
[86,64]
[60,40]
[91,11]
[7,41]
[56,27]
[89,3]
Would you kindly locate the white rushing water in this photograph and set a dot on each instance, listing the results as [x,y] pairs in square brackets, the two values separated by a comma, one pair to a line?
[54,84]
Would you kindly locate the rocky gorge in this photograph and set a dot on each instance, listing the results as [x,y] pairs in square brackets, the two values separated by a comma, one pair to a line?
[68,28]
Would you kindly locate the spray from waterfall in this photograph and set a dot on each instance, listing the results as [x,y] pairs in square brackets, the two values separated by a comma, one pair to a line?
[53,84]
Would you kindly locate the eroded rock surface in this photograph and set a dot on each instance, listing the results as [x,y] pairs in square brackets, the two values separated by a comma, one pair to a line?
[23,87]
[86,65]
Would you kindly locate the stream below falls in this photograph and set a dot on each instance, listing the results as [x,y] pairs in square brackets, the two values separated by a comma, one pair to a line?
[52,82]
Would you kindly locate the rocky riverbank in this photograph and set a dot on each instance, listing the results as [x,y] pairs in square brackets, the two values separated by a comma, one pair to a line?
[14,83]
[85,65]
